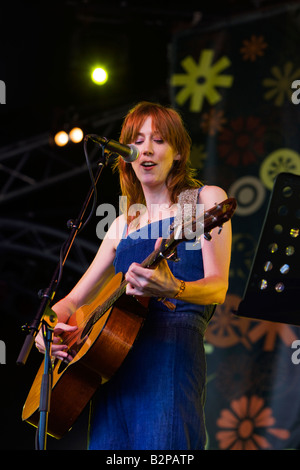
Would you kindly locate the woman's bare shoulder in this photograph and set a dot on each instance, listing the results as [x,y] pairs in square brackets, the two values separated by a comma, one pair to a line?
[116,230]
[211,195]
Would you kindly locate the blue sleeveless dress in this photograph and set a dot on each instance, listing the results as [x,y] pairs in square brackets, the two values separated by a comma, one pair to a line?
[155,400]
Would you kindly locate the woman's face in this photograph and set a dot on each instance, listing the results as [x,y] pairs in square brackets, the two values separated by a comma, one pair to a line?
[156,156]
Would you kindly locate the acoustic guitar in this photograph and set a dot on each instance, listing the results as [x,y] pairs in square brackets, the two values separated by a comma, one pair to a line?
[106,331]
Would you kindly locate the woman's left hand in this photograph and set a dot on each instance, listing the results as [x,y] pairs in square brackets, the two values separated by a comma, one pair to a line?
[158,282]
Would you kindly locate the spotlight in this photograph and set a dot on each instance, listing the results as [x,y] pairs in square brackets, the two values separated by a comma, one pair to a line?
[76,135]
[99,76]
[61,138]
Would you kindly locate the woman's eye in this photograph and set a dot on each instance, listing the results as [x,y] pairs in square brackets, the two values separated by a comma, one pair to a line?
[137,142]
[159,141]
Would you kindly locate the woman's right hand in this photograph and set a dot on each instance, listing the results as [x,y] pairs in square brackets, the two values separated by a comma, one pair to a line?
[58,349]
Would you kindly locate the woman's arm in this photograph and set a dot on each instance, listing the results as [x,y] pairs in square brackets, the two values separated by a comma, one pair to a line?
[98,273]
[216,260]
[216,255]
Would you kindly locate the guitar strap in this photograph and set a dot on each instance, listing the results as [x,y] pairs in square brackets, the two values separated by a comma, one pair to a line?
[187,201]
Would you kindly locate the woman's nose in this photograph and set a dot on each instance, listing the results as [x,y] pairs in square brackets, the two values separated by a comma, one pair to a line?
[147,148]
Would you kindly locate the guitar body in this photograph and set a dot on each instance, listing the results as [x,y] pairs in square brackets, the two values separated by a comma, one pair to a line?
[98,355]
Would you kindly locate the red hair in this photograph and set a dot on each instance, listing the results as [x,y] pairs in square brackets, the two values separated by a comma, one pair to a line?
[171,128]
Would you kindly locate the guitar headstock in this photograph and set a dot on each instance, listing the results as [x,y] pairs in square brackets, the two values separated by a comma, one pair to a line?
[203,225]
[219,214]
[214,217]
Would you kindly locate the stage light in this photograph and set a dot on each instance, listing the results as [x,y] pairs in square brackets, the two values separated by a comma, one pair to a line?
[76,135]
[61,138]
[99,76]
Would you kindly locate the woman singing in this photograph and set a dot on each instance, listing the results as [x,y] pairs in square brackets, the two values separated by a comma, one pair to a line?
[155,400]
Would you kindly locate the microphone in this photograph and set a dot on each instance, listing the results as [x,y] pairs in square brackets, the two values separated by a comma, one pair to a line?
[129,153]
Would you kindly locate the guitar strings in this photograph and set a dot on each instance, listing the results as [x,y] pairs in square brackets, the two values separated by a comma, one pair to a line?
[95,316]
[109,302]
[104,307]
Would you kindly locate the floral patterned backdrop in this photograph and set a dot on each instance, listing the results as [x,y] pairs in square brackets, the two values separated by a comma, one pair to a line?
[233,87]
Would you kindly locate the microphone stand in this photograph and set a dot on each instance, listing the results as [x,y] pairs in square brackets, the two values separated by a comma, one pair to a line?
[46,318]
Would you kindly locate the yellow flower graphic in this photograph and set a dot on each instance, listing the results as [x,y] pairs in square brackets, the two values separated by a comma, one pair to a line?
[245,423]
[200,80]
[280,85]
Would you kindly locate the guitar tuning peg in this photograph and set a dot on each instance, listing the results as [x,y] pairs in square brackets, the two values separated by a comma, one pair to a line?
[220,229]
[207,236]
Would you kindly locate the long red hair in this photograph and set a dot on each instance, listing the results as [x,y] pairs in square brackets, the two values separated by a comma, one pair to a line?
[171,128]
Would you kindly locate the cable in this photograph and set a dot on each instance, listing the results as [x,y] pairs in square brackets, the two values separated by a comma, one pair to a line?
[92,211]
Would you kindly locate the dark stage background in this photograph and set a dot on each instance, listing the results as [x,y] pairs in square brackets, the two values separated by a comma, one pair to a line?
[228,67]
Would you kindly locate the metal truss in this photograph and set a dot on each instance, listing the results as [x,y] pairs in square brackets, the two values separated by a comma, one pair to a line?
[28,167]
[35,164]
[38,241]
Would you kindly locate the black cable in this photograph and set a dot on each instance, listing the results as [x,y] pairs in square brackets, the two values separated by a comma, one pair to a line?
[90,170]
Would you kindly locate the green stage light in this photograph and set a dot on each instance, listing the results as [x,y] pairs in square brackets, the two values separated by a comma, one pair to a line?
[99,76]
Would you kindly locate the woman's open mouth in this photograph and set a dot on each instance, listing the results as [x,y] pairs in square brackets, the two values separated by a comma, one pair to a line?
[148,164]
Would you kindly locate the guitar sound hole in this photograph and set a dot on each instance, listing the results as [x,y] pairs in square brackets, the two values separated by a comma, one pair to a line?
[86,330]
[72,352]
[62,366]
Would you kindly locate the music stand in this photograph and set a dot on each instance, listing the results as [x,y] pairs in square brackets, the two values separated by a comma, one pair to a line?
[273,287]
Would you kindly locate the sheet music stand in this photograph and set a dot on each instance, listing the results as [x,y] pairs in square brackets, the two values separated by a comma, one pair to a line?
[273,288]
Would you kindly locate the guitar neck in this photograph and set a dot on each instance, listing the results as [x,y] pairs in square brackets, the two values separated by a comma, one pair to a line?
[150,262]
[216,216]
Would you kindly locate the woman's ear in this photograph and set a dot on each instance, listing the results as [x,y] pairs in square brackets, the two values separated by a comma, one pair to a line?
[177,156]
